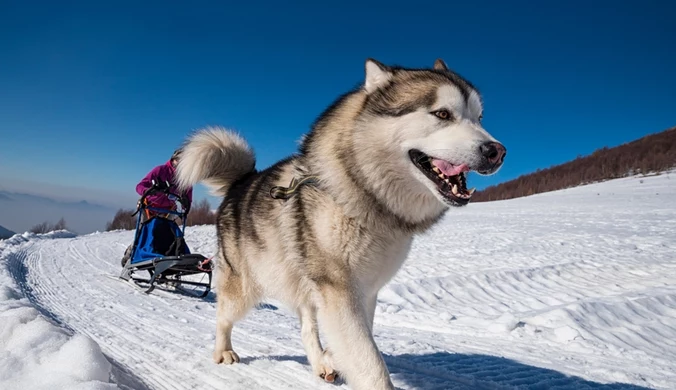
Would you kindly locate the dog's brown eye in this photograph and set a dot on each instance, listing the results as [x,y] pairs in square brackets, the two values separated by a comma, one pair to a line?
[443,114]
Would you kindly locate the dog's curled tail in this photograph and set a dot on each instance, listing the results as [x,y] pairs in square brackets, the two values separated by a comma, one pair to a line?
[215,156]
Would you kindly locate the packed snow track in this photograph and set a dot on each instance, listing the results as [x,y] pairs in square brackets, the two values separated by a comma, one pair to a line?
[574,289]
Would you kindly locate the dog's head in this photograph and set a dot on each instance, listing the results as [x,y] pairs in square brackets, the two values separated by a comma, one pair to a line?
[419,130]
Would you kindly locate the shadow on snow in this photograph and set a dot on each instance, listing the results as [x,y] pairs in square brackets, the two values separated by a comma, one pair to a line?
[450,371]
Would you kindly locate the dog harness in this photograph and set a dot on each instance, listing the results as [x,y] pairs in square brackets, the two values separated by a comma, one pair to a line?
[280,192]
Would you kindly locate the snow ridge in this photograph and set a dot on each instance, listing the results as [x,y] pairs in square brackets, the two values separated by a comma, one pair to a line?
[34,352]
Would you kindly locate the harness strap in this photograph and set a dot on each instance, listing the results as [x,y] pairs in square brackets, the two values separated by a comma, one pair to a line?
[279,192]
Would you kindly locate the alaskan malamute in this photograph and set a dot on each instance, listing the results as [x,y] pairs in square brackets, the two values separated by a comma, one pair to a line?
[324,230]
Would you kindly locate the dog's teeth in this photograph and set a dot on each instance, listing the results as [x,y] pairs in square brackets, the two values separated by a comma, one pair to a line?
[455,189]
[471,190]
[435,169]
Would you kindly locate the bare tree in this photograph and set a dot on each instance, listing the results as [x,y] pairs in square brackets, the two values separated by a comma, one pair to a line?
[41,228]
[201,214]
[61,225]
[123,219]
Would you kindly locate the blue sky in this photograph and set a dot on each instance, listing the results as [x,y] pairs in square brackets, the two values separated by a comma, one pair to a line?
[94,95]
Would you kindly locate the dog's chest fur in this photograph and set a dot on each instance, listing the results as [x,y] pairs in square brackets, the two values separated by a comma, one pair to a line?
[341,247]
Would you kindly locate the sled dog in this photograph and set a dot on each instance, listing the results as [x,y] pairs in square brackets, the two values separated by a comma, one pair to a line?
[325,229]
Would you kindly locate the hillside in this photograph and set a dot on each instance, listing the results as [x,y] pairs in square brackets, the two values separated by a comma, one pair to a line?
[650,154]
[567,290]
[5,233]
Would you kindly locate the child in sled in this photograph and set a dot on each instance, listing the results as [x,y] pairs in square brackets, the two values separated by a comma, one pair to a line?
[160,174]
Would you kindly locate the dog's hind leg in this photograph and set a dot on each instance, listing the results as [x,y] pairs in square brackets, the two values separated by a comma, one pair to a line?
[319,360]
[370,309]
[343,317]
[232,305]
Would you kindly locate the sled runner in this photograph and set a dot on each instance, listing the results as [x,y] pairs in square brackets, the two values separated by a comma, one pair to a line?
[159,248]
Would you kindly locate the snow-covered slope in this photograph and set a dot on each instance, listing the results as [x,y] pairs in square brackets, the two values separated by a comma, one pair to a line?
[35,353]
[574,289]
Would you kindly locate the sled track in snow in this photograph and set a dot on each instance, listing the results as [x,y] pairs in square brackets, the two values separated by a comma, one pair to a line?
[576,295]
[166,338]
[16,264]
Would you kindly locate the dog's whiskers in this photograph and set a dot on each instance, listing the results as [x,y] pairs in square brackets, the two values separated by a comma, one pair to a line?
[422,159]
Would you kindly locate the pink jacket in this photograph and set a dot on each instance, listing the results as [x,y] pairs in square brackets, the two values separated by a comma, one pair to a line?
[162,173]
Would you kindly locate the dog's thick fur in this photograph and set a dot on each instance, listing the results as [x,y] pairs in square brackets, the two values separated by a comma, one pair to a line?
[328,249]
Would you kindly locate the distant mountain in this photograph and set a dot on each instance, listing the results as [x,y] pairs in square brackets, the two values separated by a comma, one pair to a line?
[16,196]
[21,211]
[5,233]
[647,155]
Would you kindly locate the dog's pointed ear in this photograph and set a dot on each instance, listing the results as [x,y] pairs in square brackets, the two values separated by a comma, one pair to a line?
[377,75]
[439,64]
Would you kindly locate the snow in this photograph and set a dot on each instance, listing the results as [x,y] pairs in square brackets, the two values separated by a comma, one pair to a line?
[35,353]
[574,289]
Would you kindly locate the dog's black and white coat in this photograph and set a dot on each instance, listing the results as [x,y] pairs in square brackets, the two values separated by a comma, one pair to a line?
[390,159]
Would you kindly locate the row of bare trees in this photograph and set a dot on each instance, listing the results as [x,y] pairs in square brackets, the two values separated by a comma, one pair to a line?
[650,154]
[200,214]
[46,227]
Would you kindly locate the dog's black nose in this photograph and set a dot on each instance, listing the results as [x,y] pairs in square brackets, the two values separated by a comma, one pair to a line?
[494,152]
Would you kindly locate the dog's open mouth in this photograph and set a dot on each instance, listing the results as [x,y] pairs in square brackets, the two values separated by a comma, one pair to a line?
[449,179]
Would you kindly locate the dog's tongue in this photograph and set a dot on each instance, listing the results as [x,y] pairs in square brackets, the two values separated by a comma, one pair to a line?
[449,169]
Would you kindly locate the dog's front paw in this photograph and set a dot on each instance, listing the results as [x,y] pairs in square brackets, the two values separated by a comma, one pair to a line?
[326,367]
[226,357]
[328,374]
